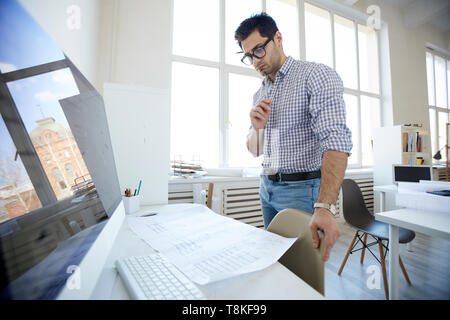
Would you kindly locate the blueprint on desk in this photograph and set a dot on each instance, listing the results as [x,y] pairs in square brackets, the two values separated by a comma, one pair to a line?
[208,247]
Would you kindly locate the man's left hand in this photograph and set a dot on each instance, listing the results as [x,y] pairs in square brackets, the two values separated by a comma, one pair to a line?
[325,221]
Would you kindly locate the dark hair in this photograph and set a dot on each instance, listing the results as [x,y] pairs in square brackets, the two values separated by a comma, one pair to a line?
[261,22]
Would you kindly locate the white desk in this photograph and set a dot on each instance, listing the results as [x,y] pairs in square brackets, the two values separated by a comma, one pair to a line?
[275,282]
[383,190]
[431,223]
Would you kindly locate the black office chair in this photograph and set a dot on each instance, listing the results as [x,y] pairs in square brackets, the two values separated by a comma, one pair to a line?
[358,217]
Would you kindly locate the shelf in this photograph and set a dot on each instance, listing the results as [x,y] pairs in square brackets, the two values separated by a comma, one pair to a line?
[411,152]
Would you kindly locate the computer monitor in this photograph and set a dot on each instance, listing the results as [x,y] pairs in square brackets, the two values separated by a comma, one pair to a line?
[60,200]
[408,173]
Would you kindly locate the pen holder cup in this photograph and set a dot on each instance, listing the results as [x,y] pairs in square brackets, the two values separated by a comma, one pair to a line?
[131,204]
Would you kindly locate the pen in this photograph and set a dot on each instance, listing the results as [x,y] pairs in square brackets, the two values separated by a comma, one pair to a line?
[139,188]
[134,192]
[149,214]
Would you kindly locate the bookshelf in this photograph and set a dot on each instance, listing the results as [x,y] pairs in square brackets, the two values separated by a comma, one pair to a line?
[389,148]
[415,145]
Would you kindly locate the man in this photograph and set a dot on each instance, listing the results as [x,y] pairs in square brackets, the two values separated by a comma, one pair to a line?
[298,123]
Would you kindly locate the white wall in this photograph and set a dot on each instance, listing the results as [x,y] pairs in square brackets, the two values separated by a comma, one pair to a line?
[135,43]
[407,63]
[81,46]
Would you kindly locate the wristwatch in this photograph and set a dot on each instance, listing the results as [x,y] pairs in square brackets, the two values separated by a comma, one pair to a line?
[329,206]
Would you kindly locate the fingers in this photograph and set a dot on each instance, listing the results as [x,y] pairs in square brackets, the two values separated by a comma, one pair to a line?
[331,236]
[258,113]
[331,231]
[315,236]
[264,104]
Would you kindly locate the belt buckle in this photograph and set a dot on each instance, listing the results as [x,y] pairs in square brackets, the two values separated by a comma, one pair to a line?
[278,175]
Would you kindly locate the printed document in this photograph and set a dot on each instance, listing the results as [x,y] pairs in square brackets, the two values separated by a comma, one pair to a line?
[208,247]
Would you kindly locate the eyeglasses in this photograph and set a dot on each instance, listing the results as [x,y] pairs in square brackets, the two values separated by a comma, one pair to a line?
[258,52]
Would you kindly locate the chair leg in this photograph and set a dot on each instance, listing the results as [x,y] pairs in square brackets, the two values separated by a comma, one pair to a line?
[404,270]
[383,267]
[348,253]
[364,248]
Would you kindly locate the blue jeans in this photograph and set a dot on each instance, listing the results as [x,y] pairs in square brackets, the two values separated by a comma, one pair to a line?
[276,196]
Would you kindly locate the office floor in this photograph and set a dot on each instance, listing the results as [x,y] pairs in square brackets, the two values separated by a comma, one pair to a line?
[428,267]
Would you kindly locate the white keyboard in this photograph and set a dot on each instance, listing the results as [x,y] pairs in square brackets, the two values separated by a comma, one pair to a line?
[152,277]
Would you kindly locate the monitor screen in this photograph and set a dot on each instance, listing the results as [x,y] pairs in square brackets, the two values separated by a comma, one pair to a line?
[58,179]
[412,173]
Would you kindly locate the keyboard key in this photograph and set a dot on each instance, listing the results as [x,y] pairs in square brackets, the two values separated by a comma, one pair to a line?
[153,277]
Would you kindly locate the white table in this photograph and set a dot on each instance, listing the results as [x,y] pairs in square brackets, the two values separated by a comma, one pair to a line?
[431,223]
[391,188]
[274,282]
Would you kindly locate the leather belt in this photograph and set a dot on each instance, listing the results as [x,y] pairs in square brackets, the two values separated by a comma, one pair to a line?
[278,177]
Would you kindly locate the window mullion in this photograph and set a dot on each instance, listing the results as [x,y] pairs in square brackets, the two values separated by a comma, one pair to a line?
[223,91]
[25,148]
[301,28]
[333,43]
[358,99]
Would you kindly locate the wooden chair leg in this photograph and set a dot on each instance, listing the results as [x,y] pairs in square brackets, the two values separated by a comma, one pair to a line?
[404,270]
[364,248]
[383,267]
[348,253]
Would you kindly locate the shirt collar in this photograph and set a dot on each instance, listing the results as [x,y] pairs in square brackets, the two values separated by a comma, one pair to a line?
[285,67]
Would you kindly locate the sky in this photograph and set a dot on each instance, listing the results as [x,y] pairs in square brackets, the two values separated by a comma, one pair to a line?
[23,44]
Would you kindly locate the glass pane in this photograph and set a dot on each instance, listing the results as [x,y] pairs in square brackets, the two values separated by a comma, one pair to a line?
[351,109]
[237,11]
[24,42]
[196,29]
[36,99]
[441,87]
[17,194]
[318,35]
[433,132]
[430,79]
[370,119]
[368,59]
[240,102]
[443,119]
[195,114]
[345,46]
[284,12]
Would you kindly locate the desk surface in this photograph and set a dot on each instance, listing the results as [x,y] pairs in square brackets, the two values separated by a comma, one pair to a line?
[274,282]
[386,188]
[431,223]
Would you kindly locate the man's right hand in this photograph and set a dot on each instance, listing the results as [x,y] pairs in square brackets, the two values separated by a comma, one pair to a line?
[259,115]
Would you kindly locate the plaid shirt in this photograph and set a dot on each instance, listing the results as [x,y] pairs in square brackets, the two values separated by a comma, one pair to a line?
[307,117]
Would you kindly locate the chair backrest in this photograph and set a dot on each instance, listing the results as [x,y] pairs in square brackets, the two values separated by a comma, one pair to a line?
[301,258]
[210,195]
[354,207]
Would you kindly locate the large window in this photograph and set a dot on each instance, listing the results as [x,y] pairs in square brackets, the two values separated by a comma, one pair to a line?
[351,48]
[438,74]
[212,90]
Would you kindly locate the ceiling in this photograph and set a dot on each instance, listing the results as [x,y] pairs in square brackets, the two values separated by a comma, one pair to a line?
[417,13]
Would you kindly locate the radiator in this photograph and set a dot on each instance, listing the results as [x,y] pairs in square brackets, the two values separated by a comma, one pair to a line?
[181,196]
[243,204]
[441,174]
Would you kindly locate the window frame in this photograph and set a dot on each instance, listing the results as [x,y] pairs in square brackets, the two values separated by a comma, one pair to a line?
[18,132]
[435,139]
[225,69]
